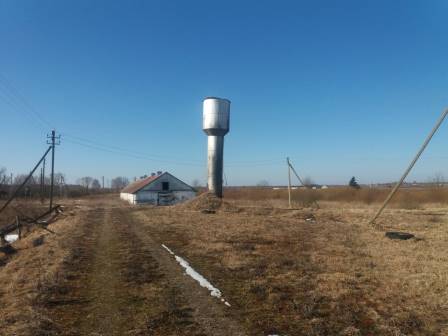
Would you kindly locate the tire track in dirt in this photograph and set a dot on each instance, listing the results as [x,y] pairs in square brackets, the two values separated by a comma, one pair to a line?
[208,313]
[101,292]
[118,281]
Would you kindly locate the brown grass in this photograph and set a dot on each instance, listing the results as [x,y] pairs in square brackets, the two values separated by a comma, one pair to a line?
[289,272]
[408,198]
[317,272]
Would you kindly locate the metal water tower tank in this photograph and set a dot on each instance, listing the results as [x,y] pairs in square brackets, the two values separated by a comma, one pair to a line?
[216,117]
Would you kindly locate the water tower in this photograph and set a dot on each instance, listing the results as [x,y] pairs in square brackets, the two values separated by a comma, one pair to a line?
[216,125]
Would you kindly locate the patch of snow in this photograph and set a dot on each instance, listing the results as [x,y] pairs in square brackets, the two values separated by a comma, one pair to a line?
[166,248]
[215,292]
[198,277]
[11,238]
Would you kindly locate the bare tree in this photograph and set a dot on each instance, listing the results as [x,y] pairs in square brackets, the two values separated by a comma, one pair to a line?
[438,180]
[96,184]
[3,177]
[59,179]
[20,178]
[85,181]
[119,182]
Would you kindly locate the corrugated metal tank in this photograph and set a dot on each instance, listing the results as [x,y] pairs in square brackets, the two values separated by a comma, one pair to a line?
[216,116]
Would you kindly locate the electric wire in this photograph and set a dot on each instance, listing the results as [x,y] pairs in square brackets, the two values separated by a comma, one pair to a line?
[15,93]
[6,98]
[14,98]
[128,154]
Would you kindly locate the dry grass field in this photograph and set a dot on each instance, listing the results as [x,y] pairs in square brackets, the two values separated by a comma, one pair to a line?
[301,271]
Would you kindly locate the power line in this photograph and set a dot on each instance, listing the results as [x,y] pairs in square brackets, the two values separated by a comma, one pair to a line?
[116,148]
[15,93]
[111,148]
[7,99]
[123,153]
[19,103]
[142,156]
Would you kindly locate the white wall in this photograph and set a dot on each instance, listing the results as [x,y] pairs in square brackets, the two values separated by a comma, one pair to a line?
[128,197]
[151,197]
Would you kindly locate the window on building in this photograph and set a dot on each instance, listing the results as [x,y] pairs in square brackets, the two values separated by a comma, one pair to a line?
[165,186]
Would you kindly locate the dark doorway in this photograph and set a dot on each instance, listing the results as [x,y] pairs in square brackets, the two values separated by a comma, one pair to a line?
[165,186]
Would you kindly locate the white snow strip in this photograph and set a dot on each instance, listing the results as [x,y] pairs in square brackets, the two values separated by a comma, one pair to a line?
[11,238]
[198,277]
[167,248]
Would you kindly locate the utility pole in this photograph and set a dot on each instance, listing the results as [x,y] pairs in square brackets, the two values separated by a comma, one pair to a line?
[30,175]
[411,165]
[41,185]
[11,186]
[43,176]
[289,181]
[42,182]
[53,144]
[103,182]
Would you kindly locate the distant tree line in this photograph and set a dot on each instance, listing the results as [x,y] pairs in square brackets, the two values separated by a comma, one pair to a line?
[39,187]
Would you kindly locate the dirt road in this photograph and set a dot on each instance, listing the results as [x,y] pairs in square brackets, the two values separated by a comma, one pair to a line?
[119,281]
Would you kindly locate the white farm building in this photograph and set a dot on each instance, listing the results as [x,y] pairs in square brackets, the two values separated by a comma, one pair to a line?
[158,189]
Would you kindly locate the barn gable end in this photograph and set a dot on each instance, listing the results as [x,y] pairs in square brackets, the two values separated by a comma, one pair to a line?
[163,189]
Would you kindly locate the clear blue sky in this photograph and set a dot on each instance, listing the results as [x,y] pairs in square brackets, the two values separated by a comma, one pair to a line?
[342,87]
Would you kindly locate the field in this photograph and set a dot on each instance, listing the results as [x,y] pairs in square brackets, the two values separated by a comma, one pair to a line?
[316,269]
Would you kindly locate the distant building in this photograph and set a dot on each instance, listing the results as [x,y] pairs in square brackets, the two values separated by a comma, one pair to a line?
[158,189]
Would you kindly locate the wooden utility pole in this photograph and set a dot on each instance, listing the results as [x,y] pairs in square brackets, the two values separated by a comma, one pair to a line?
[43,176]
[53,144]
[41,185]
[16,192]
[42,182]
[289,181]
[411,165]
[295,173]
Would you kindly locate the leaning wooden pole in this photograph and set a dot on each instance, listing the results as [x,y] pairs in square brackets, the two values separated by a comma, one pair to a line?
[295,173]
[16,192]
[289,182]
[399,183]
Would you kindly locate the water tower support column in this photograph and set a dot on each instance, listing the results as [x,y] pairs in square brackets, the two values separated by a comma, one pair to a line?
[215,164]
